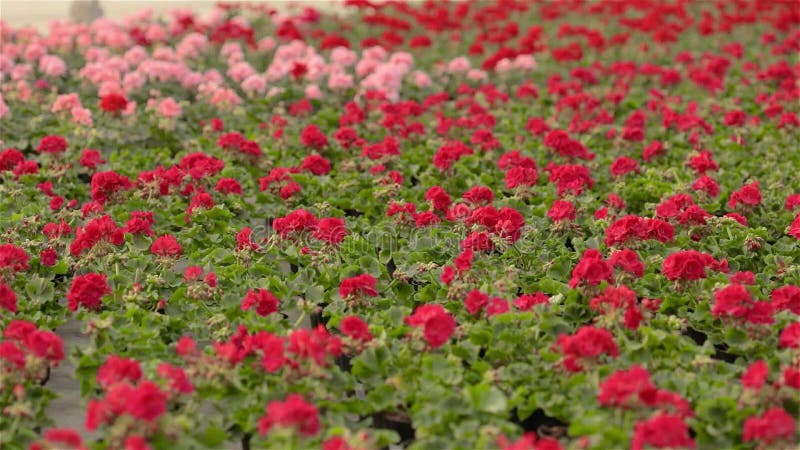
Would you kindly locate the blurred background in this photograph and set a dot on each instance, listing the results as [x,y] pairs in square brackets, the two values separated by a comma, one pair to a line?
[39,13]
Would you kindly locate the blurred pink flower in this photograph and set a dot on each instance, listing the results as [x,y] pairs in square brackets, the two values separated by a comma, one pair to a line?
[34,52]
[343,56]
[525,62]
[81,115]
[240,71]
[476,75]
[421,79]
[65,102]
[503,66]
[3,107]
[254,84]
[266,44]
[340,81]
[136,55]
[313,92]
[458,65]
[191,46]
[169,108]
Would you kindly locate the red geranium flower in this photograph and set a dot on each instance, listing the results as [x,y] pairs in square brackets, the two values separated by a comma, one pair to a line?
[88,291]
[294,412]
[356,328]
[363,285]
[331,230]
[52,144]
[264,301]
[113,103]
[166,247]
[437,324]
[13,258]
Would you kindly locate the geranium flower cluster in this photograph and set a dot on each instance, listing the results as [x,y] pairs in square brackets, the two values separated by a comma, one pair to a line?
[498,224]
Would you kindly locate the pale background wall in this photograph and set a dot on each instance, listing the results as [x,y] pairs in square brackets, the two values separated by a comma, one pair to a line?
[39,12]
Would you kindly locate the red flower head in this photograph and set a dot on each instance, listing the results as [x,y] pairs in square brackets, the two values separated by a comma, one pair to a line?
[331,230]
[756,375]
[356,328]
[228,186]
[476,301]
[147,402]
[8,299]
[561,210]
[13,258]
[185,346]
[497,306]
[792,202]
[316,164]
[294,222]
[178,381]
[359,285]
[587,344]
[294,412]
[63,438]
[10,158]
[527,301]
[662,431]
[619,298]
[140,223]
[113,103]
[105,184]
[166,247]
[91,158]
[794,228]
[623,166]
[748,195]
[686,265]
[88,291]
[46,345]
[264,301]
[735,118]
[244,240]
[478,195]
[52,144]
[786,298]
[438,198]
[117,369]
[591,270]
[653,150]
[199,165]
[449,153]
[316,344]
[572,178]
[313,137]
[437,324]
[529,441]
[628,261]
[706,184]
[463,261]
[735,302]
[626,388]
[790,336]
[772,426]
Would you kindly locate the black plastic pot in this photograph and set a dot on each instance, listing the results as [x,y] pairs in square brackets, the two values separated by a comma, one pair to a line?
[540,423]
[46,378]
[344,362]
[396,421]
[352,213]
[721,352]
[390,267]
[317,317]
